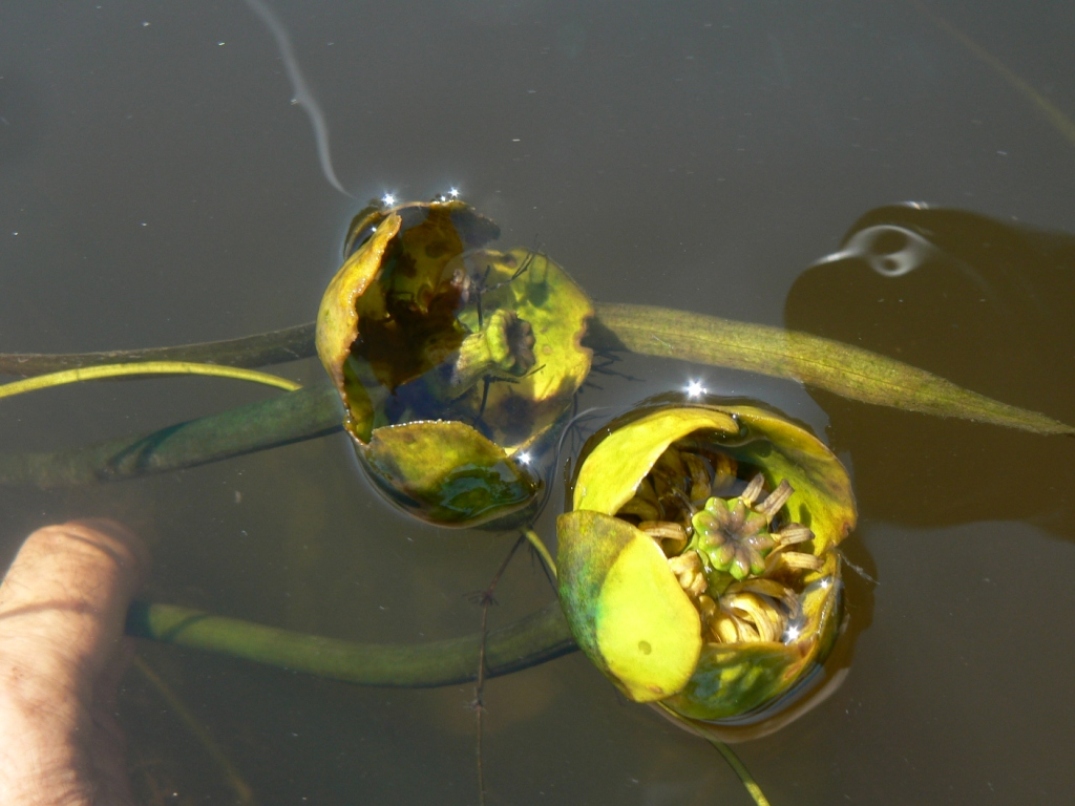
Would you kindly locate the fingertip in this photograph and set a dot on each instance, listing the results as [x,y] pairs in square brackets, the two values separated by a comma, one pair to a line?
[67,593]
[126,548]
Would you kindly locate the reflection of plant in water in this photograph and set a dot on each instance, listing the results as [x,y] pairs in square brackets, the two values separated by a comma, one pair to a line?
[456,366]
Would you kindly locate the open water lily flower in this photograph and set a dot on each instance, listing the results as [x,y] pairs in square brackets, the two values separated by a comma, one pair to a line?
[698,565]
[453,361]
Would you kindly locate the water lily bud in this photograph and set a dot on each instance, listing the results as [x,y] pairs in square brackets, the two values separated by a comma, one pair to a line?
[697,564]
[453,361]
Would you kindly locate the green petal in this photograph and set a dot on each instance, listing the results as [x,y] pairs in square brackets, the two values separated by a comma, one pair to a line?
[447,473]
[337,322]
[603,583]
[413,331]
[625,607]
[613,469]
[732,679]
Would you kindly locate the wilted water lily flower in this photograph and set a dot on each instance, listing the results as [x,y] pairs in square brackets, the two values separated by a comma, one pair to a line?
[698,565]
[452,360]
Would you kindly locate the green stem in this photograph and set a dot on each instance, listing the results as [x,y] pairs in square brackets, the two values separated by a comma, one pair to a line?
[741,770]
[310,412]
[142,369]
[839,368]
[534,639]
[263,349]
[539,546]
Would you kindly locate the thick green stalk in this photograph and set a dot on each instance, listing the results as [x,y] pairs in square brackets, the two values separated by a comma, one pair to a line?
[534,639]
[291,417]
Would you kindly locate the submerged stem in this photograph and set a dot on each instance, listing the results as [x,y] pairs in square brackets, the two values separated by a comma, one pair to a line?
[822,363]
[262,349]
[244,794]
[309,412]
[740,769]
[543,551]
[534,639]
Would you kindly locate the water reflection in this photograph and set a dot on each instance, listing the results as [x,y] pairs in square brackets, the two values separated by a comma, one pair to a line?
[982,302]
[687,155]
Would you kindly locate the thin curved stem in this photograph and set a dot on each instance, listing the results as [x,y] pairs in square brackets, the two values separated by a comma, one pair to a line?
[244,794]
[822,363]
[740,769]
[310,412]
[543,551]
[139,369]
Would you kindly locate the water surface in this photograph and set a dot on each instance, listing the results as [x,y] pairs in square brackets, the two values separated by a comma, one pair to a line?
[157,186]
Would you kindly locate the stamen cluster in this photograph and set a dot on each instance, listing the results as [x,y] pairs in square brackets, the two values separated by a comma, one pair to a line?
[729,542]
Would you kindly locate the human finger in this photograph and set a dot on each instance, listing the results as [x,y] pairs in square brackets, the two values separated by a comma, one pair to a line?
[64,599]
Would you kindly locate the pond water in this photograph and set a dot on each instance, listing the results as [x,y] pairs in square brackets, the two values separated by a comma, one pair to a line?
[157,186]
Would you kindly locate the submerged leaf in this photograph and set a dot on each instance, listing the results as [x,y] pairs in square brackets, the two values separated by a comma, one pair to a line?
[848,371]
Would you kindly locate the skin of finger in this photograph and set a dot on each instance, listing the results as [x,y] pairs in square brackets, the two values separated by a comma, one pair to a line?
[62,608]
[104,748]
[64,599]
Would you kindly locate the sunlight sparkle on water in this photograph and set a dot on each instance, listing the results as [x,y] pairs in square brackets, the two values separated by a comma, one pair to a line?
[695,389]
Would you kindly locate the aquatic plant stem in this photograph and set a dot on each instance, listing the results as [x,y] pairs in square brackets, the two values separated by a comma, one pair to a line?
[310,412]
[740,769]
[244,794]
[81,374]
[260,350]
[543,551]
[842,369]
[534,639]
[486,600]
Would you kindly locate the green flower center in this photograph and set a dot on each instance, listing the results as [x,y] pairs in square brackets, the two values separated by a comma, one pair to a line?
[735,555]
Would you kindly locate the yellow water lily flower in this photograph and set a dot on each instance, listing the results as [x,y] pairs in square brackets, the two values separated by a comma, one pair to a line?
[698,565]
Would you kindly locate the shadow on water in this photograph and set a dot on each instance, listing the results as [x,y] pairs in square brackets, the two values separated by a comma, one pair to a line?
[974,300]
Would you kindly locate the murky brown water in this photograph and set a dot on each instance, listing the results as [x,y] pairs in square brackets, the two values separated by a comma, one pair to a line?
[158,187]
